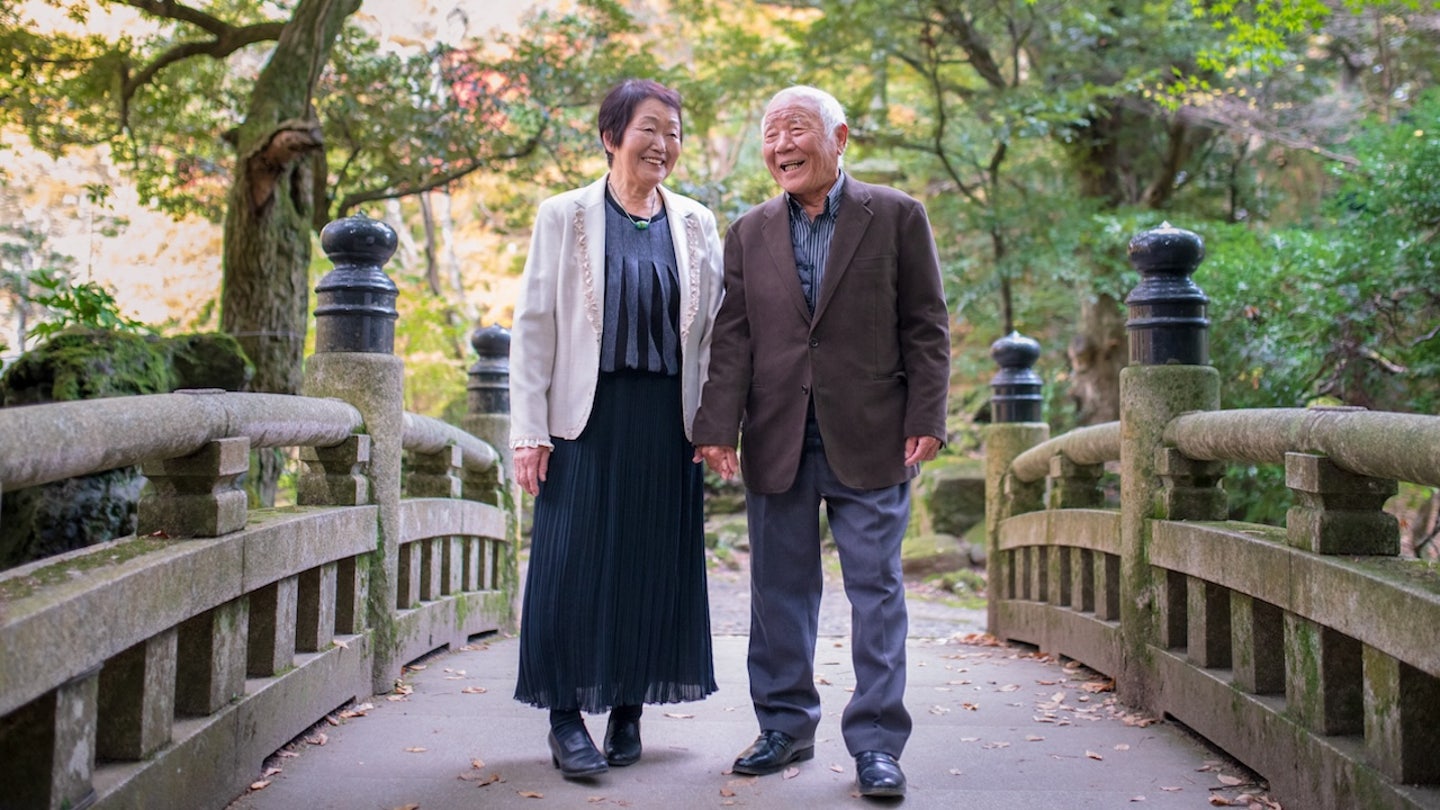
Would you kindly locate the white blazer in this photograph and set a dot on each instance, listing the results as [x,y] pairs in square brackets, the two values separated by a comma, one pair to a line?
[559,317]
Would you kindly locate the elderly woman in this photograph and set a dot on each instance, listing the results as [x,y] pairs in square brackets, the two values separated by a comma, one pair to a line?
[610,346]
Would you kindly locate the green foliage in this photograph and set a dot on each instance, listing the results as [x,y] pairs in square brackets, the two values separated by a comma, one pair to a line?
[86,305]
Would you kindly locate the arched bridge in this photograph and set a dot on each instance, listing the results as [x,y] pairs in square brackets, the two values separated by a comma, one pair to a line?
[162,669]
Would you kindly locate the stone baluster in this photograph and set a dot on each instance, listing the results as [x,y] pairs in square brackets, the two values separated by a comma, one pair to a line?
[196,495]
[53,738]
[137,699]
[1336,511]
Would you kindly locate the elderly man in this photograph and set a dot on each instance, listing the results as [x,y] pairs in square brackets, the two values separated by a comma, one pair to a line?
[832,349]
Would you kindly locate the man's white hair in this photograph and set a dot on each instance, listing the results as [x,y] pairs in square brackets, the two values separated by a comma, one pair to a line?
[832,114]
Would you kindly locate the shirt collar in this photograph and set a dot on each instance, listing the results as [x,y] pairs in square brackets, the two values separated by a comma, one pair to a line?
[832,201]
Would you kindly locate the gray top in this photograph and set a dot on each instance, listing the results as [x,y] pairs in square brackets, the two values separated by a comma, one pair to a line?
[642,294]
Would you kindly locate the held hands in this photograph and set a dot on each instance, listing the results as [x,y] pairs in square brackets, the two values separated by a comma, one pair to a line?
[723,460]
[920,448]
[531,465]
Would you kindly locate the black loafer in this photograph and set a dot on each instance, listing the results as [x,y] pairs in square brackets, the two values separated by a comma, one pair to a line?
[622,741]
[574,753]
[878,774]
[771,751]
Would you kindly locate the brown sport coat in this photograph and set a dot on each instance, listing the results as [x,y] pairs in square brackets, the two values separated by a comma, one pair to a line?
[875,355]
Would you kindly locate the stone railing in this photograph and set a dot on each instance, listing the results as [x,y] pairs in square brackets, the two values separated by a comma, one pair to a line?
[159,670]
[1307,651]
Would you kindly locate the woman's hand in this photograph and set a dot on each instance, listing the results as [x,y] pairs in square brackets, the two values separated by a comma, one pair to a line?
[531,465]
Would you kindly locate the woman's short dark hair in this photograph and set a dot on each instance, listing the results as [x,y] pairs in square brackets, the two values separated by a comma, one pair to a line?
[619,107]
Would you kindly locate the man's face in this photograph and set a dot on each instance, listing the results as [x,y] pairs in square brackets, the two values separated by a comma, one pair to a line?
[802,157]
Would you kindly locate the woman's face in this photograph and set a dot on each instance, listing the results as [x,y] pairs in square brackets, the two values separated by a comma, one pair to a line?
[649,147]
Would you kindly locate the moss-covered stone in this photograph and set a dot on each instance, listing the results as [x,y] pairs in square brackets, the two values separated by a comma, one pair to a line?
[928,554]
[87,364]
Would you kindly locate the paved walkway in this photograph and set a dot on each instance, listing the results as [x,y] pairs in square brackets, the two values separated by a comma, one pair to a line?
[995,727]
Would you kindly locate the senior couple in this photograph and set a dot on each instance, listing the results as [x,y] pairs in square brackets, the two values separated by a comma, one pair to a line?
[820,340]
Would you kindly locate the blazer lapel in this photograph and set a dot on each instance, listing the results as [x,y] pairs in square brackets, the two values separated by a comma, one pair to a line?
[850,226]
[589,224]
[686,237]
[776,231]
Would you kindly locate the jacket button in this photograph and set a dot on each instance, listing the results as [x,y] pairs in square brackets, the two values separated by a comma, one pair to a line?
[804,389]
[814,342]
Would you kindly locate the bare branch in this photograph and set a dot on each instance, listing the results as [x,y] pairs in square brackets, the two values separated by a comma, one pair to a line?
[353,200]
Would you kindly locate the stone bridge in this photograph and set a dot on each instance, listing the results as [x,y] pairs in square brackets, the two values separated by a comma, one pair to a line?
[163,669]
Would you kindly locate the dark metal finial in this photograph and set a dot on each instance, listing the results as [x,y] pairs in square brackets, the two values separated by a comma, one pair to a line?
[488,390]
[1167,322]
[1015,391]
[355,309]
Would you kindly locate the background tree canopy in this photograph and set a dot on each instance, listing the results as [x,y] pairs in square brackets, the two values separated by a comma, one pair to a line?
[1298,138]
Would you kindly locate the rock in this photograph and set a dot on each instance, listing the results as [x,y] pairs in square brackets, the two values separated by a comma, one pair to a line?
[928,554]
[954,498]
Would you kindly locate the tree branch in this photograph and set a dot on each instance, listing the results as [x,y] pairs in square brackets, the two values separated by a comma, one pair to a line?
[226,39]
[395,191]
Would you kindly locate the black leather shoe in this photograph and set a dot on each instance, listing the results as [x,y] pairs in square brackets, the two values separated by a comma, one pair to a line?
[771,751]
[878,774]
[574,753]
[622,741]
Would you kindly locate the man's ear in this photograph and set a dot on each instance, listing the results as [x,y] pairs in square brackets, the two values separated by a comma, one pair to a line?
[842,136]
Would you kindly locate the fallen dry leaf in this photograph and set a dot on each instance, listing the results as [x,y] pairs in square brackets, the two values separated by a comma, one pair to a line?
[416,750]
[726,792]
[411,806]
[318,739]
[530,794]
[1009,687]
[792,772]
[473,690]
[1137,798]
[1093,755]
[1232,781]
[956,772]
[679,716]
[261,785]
[1099,686]
[270,772]
[1172,789]
[288,754]
[970,707]
[477,764]
[1033,738]
[344,645]
[1219,801]
[837,769]
[1122,747]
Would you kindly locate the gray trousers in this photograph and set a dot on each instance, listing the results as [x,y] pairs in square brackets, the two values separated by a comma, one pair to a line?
[785,584]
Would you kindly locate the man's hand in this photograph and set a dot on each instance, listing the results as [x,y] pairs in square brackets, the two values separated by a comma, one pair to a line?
[723,460]
[920,448]
[531,465]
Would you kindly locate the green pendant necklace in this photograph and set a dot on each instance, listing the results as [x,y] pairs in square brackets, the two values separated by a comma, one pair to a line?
[640,224]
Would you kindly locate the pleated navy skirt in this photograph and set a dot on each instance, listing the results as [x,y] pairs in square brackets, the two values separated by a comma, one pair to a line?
[614,610]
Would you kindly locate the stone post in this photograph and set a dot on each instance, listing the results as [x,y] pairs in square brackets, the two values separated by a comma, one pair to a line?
[1169,374]
[353,361]
[487,413]
[1016,426]
[488,417]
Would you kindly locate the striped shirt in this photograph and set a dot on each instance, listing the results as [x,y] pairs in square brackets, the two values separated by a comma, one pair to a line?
[811,240]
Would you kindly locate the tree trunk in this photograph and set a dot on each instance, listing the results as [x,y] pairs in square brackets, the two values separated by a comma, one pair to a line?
[265,293]
[1097,353]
